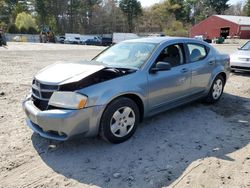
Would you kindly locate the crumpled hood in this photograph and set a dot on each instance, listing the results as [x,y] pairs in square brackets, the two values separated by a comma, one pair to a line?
[62,73]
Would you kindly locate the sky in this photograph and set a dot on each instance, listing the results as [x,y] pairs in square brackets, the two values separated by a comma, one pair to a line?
[146,3]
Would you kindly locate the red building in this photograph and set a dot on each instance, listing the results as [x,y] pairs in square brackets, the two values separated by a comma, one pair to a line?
[223,25]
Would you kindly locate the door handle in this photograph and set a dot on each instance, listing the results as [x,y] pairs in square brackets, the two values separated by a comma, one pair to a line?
[211,62]
[184,70]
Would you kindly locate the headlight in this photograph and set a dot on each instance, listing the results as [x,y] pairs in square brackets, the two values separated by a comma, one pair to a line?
[233,57]
[70,100]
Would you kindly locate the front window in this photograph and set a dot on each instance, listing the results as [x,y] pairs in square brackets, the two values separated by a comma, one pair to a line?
[246,46]
[127,54]
[173,55]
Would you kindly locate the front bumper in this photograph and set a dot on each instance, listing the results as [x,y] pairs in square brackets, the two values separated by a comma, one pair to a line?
[240,65]
[61,124]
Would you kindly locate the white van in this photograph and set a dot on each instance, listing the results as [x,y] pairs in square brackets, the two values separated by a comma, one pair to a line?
[119,37]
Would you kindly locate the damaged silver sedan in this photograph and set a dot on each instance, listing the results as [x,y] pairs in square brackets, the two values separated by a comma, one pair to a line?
[111,94]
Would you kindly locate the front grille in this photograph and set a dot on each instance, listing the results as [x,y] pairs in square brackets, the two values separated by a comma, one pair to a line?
[46,95]
[43,91]
[35,92]
[42,105]
[244,59]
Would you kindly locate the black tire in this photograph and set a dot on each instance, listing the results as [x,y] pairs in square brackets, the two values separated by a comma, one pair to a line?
[211,97]
[118,106]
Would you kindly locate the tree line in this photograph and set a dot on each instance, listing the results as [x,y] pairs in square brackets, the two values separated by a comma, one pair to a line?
[173,17]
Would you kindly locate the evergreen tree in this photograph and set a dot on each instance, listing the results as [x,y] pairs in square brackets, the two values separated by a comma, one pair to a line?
[132,9]
[219,6]
[247,8]
[41,10]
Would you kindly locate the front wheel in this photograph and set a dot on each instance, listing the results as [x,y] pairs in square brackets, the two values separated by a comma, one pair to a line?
[119,121]
[216,90]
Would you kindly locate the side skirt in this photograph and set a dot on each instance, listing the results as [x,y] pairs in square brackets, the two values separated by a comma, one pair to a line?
[176,103]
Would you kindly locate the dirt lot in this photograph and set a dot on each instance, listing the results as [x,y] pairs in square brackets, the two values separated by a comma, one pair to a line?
[192,146]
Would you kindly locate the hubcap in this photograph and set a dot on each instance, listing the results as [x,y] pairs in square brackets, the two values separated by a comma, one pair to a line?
[122,121]
[217,89]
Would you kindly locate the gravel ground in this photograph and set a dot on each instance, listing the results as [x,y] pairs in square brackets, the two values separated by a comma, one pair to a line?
[195,145]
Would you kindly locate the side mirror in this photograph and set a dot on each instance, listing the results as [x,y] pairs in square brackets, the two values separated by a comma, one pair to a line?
[161,66]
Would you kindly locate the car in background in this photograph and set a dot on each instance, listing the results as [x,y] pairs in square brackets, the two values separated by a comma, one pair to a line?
[97,41]
[60,39]
[72,38]
[106,41]
[240,60]
[127,82]
[202,38]
[199,37]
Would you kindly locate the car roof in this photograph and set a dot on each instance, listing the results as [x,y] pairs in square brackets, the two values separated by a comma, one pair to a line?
[158,40]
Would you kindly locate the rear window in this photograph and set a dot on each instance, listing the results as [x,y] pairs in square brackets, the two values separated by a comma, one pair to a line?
[197,52]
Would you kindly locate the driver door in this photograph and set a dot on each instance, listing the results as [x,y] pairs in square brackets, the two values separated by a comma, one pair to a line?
[172,85]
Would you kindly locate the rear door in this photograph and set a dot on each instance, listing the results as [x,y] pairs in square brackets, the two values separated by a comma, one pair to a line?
[201,65]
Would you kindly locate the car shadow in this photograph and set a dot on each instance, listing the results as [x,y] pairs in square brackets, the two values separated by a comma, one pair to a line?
[160,151]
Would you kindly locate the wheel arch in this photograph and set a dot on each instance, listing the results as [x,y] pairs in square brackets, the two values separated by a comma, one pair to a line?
[224,76]
[209,98]
[134,97]
[138,102]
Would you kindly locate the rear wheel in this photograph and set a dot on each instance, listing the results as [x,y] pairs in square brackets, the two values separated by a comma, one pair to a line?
[216,90]
[119,120]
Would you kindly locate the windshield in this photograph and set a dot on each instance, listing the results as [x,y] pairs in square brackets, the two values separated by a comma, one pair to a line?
[246,46]
[127,54]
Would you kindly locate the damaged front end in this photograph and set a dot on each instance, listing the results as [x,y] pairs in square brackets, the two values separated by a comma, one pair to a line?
[42,92]
[57,110]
